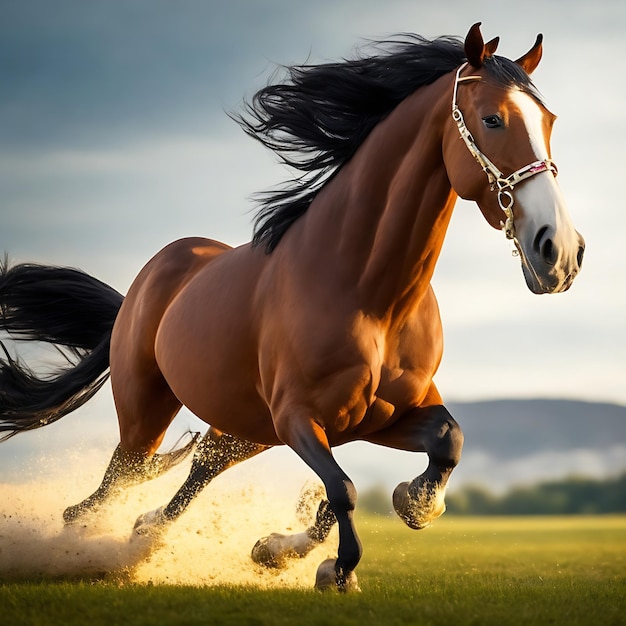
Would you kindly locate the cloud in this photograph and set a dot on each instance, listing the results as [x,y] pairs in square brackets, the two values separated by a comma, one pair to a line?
[67,205]
[84,74]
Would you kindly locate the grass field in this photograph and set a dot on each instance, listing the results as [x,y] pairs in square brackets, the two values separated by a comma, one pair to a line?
[462,571]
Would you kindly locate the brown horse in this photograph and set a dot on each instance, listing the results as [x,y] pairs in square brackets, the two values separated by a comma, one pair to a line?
[324,329]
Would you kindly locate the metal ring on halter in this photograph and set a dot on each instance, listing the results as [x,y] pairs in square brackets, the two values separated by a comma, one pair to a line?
[507,208]
[508,205]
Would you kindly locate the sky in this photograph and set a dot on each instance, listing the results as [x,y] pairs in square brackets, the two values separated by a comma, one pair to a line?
[115,140]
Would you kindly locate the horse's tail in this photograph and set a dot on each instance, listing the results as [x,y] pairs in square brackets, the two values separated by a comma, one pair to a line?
[68,309]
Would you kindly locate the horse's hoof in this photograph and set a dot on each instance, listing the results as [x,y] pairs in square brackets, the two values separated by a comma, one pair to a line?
[419,511]
[267,552]
[151,522]
[328,579]
[276,549]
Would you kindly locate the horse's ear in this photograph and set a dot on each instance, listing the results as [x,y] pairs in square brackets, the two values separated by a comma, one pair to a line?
[530,60]
[491,46]
[476,50]
[475,46]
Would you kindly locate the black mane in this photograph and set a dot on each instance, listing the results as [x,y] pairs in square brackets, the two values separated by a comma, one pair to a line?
[316,119]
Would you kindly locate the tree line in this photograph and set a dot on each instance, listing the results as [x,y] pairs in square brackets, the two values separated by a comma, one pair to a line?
[570,496]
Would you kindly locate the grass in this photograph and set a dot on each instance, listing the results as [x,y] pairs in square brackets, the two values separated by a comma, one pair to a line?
[463,571]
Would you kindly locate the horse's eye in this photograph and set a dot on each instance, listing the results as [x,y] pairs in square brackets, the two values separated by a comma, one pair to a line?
[492,121]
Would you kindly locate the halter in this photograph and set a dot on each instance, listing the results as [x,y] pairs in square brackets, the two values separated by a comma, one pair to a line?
[497,180]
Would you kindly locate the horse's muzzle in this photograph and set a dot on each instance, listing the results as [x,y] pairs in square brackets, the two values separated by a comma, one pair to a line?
[550,266]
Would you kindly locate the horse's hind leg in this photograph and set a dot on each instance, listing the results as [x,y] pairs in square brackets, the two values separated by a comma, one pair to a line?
[215,453]
[125,469]
[143,423]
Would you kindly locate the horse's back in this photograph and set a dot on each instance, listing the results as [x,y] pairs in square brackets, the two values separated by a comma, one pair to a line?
[158,284]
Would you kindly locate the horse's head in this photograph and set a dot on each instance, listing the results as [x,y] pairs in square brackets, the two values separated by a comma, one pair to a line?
[500,126]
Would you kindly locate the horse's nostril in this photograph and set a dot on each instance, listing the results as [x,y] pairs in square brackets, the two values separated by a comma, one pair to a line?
[579,257]
[538,237]
[548,252]
[544,246]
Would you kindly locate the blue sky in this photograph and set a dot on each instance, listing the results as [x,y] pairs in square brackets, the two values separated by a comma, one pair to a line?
[114,141]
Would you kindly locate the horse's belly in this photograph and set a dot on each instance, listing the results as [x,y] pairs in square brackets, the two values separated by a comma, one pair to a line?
[214,388]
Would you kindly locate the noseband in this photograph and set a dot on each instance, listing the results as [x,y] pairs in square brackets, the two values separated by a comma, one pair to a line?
[497,180]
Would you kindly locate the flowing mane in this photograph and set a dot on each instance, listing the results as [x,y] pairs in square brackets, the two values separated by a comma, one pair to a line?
[316,119]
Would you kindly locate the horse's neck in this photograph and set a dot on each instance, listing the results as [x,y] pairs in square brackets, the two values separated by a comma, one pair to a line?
[385,215]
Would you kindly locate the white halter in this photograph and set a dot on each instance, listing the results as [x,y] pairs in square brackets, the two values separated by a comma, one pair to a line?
[497,180]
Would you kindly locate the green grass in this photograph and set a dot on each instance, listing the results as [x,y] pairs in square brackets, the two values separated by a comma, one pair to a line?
[462,571]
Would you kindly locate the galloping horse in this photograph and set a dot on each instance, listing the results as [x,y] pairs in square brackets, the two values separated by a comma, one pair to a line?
[324,329]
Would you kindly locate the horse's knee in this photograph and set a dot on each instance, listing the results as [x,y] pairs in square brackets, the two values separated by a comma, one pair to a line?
[447,444]
[342,496]
[452,442]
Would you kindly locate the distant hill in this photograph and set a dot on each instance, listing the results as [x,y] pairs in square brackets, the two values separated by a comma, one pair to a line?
[511,428]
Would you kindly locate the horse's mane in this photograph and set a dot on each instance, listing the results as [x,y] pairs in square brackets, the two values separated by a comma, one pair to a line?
[318,116]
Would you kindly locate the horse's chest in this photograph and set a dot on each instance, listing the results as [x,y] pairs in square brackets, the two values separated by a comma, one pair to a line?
[393,397]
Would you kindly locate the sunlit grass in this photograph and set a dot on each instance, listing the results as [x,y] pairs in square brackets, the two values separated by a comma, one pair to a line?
[462,571]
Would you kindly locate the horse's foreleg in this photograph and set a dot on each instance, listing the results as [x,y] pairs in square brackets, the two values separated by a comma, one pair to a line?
[128,468]
[432,430]
[215,453]
[309,441]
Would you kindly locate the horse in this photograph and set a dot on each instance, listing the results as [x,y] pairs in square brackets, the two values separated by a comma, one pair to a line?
[324,328]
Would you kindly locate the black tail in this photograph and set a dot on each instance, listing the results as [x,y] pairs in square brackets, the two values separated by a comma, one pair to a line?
[68,309]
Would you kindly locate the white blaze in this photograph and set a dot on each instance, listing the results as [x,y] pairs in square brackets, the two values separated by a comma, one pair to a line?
[533,119]
[540,197]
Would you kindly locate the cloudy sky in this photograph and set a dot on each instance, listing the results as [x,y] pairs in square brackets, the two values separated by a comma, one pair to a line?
[114,141]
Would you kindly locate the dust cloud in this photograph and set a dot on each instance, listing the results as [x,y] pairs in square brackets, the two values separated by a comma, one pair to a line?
[209,545]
